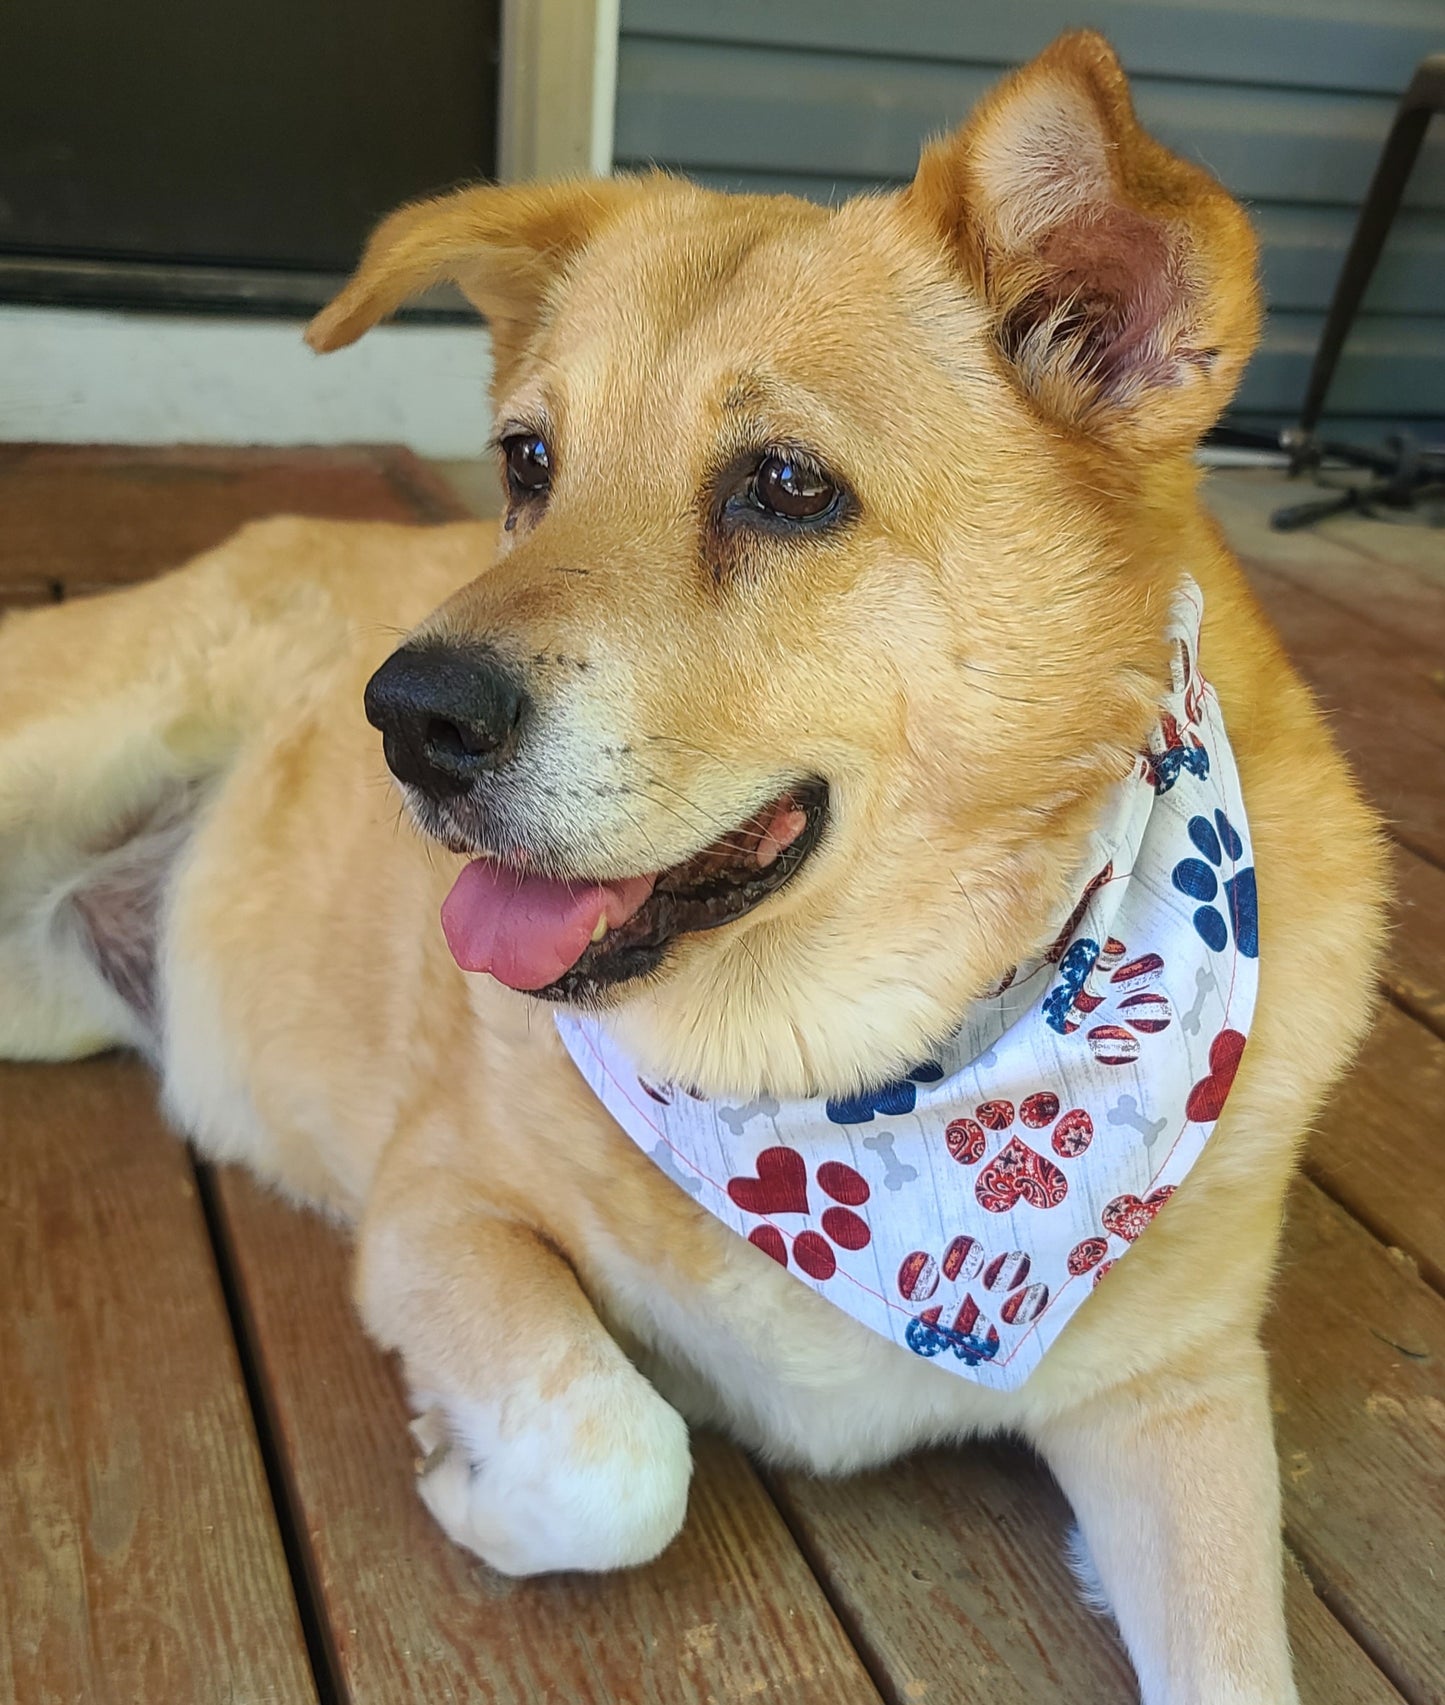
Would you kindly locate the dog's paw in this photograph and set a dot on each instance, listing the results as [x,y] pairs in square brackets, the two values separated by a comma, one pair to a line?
[596,1481]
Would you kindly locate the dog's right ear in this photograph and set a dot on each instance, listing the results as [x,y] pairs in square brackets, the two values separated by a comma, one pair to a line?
[502,246]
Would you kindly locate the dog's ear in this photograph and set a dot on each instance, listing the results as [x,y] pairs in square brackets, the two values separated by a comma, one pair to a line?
[502,246]
[1120,280]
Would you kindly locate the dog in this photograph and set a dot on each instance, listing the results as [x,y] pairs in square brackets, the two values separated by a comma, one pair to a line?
[765,737]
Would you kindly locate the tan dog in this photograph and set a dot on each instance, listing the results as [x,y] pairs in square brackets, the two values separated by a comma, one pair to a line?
[850,535]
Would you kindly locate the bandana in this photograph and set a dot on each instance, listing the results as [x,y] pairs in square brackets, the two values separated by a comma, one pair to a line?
[968,1208]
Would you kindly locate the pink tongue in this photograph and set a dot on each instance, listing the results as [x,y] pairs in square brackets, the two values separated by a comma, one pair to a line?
[528,930]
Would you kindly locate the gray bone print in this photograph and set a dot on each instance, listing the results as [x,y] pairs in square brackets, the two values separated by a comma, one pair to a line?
[1203,983]
[662,1154]
[898,1172]
[1126,1112]
[765,1107]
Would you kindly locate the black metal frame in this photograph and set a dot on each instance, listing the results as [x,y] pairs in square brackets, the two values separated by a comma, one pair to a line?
[1404,473]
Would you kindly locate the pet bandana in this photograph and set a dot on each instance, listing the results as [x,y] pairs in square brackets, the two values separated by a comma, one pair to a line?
[967,1209]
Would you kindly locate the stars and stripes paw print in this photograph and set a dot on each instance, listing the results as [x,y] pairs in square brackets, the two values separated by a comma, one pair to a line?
[1236,909]
[1115,998]
[957,1322]
[779,1187]
[1018,1172]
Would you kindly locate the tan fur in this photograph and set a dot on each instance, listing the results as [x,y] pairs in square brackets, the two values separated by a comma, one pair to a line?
[1010,362]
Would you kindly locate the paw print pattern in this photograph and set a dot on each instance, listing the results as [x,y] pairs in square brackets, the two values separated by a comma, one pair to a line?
[1198,878]
[966,1332]
[780,1186]
[900,1096]
[1116,996]
[1127,1217]
[1018,1172]
[1175,749]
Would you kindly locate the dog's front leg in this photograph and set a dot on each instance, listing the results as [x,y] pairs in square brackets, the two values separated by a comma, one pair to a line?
[546,1449]
[1175,1485]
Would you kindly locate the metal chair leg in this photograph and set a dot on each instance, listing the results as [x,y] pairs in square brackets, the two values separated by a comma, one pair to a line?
[1424,97]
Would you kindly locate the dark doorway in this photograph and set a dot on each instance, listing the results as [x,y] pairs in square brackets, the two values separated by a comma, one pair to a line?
[227,154]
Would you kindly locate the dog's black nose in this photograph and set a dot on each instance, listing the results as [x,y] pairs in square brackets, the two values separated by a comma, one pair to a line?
[447,714]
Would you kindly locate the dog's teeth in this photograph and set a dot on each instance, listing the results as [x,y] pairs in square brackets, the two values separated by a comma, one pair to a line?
[600,931]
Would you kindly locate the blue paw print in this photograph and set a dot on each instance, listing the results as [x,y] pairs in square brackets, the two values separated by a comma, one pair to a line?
[898,1097]
[1192,876]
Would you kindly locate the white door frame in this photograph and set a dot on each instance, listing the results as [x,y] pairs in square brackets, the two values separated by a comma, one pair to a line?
[557,88]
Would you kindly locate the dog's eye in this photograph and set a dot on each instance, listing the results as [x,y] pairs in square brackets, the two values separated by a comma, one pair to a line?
[787,486]
[529,463]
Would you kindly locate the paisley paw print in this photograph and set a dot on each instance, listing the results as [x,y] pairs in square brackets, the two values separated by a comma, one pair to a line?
[1199,879]
[1018,1173]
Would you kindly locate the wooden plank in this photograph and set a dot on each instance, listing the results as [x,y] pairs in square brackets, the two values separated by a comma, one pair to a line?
[949,1572]
[1384,701]
[784,109]
[1394,596]
[21,595]
[1330,1667]
[142,1559]
[951,1565]
[1235,41]
[731,1612]
[1357,1343]
[1377,1150]
[1415,969]
[94,516]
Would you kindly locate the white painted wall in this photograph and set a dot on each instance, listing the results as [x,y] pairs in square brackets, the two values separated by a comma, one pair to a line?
[80,376]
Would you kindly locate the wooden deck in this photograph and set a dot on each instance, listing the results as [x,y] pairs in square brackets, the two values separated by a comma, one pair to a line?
[208,1490]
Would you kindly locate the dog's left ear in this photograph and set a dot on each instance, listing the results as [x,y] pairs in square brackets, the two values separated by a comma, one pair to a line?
[1120,280]
[501,245]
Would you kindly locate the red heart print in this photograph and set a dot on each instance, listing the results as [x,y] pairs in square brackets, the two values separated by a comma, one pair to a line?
[781,1186]
[813,1255]
[1016,1174]
[843,1184]
[770,1240]
[1128,1217]
[1207,1098]
[847,1229]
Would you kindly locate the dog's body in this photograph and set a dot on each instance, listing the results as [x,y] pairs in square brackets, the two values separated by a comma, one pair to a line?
[202,857]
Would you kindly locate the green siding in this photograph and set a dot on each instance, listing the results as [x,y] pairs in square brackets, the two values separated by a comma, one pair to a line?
[1288,101]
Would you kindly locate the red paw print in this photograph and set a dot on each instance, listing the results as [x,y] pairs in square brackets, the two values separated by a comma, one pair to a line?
[1019,1173]
[780,1186]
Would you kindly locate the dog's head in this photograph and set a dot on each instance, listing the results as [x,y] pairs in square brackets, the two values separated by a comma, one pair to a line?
[833,575]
